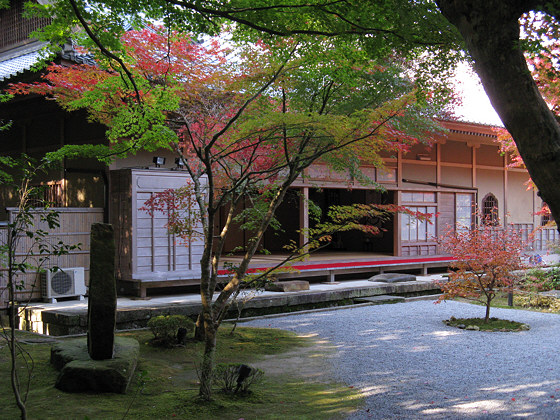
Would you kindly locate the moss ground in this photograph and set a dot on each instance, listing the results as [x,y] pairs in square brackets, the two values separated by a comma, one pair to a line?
[165,385]
[493,324]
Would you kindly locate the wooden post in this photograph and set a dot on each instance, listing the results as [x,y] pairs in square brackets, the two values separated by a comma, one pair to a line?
[304,215]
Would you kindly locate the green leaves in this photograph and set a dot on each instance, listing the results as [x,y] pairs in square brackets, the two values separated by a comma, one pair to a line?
[4,125]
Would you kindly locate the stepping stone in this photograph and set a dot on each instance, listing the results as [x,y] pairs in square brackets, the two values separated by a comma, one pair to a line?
[287,286]
[392,277]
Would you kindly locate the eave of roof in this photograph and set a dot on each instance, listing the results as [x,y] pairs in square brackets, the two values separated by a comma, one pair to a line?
[19,60]
[22,59]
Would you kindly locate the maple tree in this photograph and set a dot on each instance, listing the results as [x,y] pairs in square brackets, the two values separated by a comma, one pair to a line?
[508,147]
[417,30]
[484,259]
[489,28]
[543,65]
[246,126]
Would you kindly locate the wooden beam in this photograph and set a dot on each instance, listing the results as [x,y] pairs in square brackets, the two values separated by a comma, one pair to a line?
[304,215]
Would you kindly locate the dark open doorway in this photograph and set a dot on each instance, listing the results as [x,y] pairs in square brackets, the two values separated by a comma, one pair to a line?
[357,241]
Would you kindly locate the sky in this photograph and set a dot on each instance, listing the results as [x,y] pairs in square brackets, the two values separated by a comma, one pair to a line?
[476,105]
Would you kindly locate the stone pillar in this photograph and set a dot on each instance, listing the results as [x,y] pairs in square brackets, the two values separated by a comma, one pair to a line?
[102,305]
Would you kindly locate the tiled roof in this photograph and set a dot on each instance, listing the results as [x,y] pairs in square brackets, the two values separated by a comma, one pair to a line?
[20,60]
[78,58]
[16,65]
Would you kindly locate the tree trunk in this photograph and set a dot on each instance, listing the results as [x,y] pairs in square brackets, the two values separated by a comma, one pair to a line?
[13,354]
[490,29]
[207,369]
[199,328]
[12,315]
[487,317]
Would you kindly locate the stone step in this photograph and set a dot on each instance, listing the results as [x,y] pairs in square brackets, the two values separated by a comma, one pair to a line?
[380,299]
[287,286]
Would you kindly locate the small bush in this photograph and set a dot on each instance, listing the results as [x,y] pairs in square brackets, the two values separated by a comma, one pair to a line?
[537,301]
[538,279]
[236,378]
[165,328]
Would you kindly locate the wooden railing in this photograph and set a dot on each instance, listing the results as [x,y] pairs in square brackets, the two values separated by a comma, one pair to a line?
[543,239]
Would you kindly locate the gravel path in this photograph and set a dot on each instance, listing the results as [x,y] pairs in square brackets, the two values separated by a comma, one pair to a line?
[410,365]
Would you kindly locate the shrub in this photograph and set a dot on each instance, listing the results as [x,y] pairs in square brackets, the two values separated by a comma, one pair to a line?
[484,261]
[165,328]
[538,279]
[537,301]
[236,378]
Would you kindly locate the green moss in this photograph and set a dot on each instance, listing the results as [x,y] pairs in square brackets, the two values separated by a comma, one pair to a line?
[493,324]
[165,384]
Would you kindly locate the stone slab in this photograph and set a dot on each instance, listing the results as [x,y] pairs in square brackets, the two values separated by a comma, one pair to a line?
[287,286]
[79,373]
[553,293]
[380,299]
[392,278]
[71,321]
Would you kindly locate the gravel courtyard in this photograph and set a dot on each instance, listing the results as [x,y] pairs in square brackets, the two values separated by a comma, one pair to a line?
[410,365]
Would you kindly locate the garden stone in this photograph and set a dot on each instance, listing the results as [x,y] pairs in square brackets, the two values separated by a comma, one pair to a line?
[472,328]
[102,304]
[392,277]
[182,336]
[78,373]
[287,286]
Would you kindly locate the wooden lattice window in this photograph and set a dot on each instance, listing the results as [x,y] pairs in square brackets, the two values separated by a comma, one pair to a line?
[14,27]
[416,230]
[463,211]
[490,210]
[51,193]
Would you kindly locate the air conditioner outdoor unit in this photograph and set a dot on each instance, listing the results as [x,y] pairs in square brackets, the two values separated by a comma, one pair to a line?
[66,282]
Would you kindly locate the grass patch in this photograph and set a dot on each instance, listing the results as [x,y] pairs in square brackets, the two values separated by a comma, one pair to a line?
[165,385]
[493,324]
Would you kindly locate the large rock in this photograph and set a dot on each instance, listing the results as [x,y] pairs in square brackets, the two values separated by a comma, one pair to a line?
[287,286]
[393,277]
[79,373]
[102,304]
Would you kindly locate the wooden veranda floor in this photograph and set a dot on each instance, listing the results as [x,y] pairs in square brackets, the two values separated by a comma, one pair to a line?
[331,263]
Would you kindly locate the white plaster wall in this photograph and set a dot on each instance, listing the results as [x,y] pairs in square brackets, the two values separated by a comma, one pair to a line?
[419,172]
[491,181]
[461,177]
[144,159]
[520,201]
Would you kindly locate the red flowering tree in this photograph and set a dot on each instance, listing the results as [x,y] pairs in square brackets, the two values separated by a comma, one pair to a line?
[247,126]
[484,259]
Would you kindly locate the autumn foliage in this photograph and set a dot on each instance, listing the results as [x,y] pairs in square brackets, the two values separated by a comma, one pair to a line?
[247,124]
[543,63]
[484,259]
